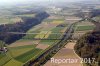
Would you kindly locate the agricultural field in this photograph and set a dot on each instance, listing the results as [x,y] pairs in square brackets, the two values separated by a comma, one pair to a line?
[28,55]
[26,48]
[4,20]
[14,18]
[57,29]
[20,49]
[72,19]
[13,62]
[26,15]
[65,53]
[58,21]
[21,42]
[82,28]
[35,29]
[4,58]
[8,14]
[54,21]
[42,46]
[19,55]
[19,52]
[57,35]
[47,42]
[43,34]
[53,27]
[56,17]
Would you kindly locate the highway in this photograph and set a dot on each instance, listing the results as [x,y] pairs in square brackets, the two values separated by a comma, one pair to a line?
[41,59]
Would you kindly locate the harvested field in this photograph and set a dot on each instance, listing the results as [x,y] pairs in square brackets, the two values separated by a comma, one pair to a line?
[42,46]
[22,43]
[48,26]
[73,18]
[66,53]
[78,34]
[57,22]
[55,17]
[85,23]
[36,41]
[48,42]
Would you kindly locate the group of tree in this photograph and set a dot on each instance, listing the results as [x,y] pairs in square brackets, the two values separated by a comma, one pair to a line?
[95,12]
[88,46]
[20,27]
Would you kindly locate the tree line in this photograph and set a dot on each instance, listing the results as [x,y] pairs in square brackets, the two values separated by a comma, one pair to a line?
[20,27]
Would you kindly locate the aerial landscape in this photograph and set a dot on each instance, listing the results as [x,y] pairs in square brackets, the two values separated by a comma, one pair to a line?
[50,33]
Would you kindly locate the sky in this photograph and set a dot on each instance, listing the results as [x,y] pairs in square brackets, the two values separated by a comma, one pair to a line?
[11,1]
[22,1]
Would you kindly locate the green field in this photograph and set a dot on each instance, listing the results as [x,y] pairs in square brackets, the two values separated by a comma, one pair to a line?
[49,42]
[53,36]
[4,58]
[57,29]
[13,62]
[28,55]
[19,55]
[13,53]
[24,50]
[17,51]
[29,36]
[83,28]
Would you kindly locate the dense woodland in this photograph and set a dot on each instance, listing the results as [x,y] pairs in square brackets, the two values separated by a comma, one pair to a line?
[89,46]
[20,27]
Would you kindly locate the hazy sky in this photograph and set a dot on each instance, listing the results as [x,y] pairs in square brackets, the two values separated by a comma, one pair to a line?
[17,1]
[10,1]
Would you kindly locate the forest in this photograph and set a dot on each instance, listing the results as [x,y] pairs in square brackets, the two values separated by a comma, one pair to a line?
[24,26]
[89,46]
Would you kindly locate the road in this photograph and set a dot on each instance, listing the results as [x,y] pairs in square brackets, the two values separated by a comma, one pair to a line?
[43,58]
